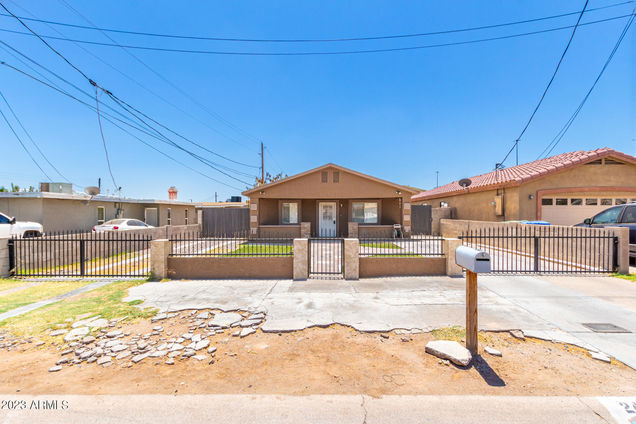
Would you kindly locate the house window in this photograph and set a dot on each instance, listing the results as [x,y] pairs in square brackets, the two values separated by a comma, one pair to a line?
[561,202]
[591,202]
[606,202]
[547,202]
[290,213]
[364,212]
[169,217]
[186,217]
[576,202]
[620,201]
[443,204]
[101,215]
[324,176]
[336,176]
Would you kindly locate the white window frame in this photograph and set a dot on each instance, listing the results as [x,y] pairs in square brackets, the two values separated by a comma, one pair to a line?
[293,207]
[186,216]
[364,219]
[103,209]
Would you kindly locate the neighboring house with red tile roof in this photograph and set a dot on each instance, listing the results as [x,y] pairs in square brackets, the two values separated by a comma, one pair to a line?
[562,189]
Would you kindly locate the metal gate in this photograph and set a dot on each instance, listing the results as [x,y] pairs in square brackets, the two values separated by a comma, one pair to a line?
[69,254]
[326,257]
[546,250]
[421,219]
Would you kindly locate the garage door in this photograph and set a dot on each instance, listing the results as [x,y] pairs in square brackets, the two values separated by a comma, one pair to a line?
[564,210]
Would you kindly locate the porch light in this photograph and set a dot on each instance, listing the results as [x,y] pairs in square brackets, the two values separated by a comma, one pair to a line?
[398,191]
[531,196]
[262,191]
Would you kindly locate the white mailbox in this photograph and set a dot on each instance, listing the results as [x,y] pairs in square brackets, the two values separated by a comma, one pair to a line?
[473,260]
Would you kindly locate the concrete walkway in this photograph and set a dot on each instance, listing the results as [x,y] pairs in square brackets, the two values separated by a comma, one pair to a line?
[264,409]
[536,305]
[18,288]
[32,306]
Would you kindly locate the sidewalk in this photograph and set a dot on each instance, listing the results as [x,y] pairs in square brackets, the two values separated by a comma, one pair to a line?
[340,409]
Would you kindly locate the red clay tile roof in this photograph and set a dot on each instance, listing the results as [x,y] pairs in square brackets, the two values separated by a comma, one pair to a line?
[516,175]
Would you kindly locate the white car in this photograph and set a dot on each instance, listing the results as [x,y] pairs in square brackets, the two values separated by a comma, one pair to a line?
[10,227]
[121,225]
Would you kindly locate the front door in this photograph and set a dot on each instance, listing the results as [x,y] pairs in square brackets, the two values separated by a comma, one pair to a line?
[327,215]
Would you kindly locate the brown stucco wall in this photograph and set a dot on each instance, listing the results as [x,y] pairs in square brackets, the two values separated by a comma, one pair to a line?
[207,267]
[279,231]
[382,267]
[375,231]
[391,211]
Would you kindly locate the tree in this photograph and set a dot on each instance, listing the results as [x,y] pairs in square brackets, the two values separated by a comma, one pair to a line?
[269,178]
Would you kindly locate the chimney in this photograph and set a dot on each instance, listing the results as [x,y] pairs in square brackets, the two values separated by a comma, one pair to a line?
[172,193]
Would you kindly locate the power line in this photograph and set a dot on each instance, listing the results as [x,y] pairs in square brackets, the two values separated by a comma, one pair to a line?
[319,53]
[555,141]
[23,146]
[567,46]
[15,116]
[113,123]
[310,40]
[170,83]
[101,131]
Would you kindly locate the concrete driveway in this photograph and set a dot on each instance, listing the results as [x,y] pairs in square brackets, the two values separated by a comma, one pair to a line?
[545,307]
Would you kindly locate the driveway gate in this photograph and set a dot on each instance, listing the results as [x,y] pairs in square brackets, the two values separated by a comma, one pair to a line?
[421,219]
[326,257]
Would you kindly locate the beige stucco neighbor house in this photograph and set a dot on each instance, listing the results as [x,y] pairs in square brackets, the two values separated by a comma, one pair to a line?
[563,189]
[80,212]
[329,201]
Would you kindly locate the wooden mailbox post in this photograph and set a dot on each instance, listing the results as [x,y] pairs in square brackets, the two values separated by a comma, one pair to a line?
[473,261]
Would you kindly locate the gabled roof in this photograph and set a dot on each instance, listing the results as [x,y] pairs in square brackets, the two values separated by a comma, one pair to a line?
[330,165]
[517,175]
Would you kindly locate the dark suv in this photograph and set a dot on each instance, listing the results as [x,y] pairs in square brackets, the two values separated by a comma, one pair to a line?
[617,216]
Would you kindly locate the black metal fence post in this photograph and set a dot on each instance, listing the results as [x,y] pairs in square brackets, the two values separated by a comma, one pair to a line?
[536,254]
[615,255]
[11,245]
[81,257]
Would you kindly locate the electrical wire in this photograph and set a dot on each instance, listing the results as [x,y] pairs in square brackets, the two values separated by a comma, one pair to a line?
[23,146]
[314,40]
[101,131]
[555,141]
[567,46]
[15,116]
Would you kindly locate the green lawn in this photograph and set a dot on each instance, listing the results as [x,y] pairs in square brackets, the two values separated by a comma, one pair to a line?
[6,284]
[42,291]
[381,245]
[257,249]
[105,301]
[629,277]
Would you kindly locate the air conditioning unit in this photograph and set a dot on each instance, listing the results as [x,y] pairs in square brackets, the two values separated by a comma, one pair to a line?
[66,188]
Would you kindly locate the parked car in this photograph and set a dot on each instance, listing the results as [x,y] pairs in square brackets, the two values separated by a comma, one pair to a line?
[616,216]
[10,227]
[121,225]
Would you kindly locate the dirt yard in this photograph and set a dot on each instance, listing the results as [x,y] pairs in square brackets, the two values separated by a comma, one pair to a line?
[334,360]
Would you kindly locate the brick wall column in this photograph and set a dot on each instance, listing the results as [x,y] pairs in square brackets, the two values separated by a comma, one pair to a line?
[352,230]
[452,269]
[623,248]
[159,251]
[301,259]
[406,218]
[351,259]
[4,257]
[253,217]
[305,230]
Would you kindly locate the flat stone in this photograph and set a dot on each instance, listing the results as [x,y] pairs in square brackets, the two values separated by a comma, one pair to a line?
[62,361]
[174,354]
[122,355]
[186,336]
[492,351]
[246,332]
[203,315]
[451,350]
[212,349]
[196,338]
[517,334]
[104,360]
[66,352]
[76,334]
[119,348]
[169,361]
[88,339]
[188,353]
[159,317]
[158,328]
[600,356]
[98,323]
[138,358]
[55,368]
[225,319]
[91,359]
[57,333]
[87,354]
[249,322]
[114,333]
[200,357]
[158,353]
[202,344]
[176,347]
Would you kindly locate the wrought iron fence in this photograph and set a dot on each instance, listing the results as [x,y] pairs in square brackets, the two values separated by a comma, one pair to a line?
[79,254]
[546,249]
[239,245]
[326,256]
[416,246]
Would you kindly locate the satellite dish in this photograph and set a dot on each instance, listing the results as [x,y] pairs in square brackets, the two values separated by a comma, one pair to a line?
[465,182]
[92,191]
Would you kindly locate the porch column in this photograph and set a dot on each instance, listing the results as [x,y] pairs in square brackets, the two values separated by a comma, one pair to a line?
[305,230]
[351,259]
[406,218]
[353,230]
[253,217]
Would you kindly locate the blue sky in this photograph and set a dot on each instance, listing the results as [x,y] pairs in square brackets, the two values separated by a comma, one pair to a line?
[400,116]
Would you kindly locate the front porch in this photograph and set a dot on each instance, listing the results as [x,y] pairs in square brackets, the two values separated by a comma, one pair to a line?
[363,218]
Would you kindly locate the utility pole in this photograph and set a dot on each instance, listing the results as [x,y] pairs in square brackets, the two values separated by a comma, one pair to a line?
[216,199]
[436,179]
[262,165]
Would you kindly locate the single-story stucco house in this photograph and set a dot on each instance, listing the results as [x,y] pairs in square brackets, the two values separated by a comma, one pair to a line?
[329,201]
[80,212]
[563,189]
